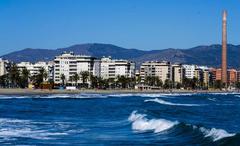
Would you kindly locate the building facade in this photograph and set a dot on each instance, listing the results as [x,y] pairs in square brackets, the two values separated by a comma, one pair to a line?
[216,74]
[163,70]
[112,68]
[232,76]
[189,71]
[177,73]
[34,68]
[3,65]
[69,64]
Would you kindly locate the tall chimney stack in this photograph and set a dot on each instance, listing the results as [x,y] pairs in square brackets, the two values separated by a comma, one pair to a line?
[224,48]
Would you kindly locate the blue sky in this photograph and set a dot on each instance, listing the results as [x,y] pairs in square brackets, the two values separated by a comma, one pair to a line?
[141,24]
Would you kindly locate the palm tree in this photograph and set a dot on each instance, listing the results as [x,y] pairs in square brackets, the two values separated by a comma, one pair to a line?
[39,78]
[159,82]
[94,81]
[76,78]
[63,79]
[4,80]
[24,77]
[71,79]
[168,84]
[14,75]
[123,81]
[84,75]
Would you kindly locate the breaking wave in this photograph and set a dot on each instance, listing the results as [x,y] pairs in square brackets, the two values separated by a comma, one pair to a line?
[141,123]
[215,134]
[157,100]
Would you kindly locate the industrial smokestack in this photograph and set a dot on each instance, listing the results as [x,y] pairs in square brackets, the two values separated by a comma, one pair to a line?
[224,48]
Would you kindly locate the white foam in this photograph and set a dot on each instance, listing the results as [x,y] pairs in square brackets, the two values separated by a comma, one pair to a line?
[237,95]
[157,100]
[55,96]
[11,129]
[212,99]
[134,95]
[13,97]
[224,93]
[215,134]
[28,133]
[88,95]
[80,96]
[165,95]
[141,123]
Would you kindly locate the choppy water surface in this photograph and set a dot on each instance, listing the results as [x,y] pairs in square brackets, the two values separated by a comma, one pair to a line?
[120,119]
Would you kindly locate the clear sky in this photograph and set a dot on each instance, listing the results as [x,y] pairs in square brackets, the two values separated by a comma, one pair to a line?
[141,24]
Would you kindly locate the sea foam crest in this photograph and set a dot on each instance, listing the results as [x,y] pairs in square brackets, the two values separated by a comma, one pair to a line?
[141,123]
[216,134]
[13,128]
[138,94]
[157,100]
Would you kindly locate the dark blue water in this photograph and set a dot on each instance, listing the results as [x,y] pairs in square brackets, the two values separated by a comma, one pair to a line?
[120,119]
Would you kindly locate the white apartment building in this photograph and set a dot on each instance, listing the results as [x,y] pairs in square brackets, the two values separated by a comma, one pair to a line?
[70,64]
[3,64]
[163,70]
[189,71]
[112,68]
[34,68]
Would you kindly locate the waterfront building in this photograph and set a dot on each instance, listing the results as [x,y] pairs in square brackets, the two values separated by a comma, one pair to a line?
[189,71]
[216,74]
[206,77]
[112,68]
[232,76]
[238,76]
[177,73]
[34,68]
[3,66]
[69,64]
[162,70]
[202,74]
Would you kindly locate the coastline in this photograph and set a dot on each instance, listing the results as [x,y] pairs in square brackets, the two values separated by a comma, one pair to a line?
[8,91]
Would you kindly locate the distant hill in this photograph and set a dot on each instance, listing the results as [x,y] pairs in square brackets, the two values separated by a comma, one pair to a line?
[200,55]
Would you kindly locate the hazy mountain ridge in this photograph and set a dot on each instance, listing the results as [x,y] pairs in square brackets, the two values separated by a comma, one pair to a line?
[200,55]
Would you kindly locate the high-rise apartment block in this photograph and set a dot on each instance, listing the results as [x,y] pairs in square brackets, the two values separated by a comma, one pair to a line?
[69,64]
[112,68]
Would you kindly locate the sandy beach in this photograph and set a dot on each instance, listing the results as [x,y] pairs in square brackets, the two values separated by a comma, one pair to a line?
[57,91]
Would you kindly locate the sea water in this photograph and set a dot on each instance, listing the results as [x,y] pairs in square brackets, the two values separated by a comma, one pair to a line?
[120,119]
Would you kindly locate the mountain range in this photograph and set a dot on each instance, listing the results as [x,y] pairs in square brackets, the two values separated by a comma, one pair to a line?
[201,55]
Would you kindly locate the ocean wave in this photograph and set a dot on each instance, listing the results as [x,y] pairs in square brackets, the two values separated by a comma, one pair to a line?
[141,123]
[90,95]
[10,129]
[157,100]
[212,99]
[77,96]
[215,134]
[12,97]
[237,95]
[54,96]
[138,95]
[224,93]
[165,95]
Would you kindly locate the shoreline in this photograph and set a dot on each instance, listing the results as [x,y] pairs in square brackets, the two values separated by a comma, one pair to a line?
[10,91]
